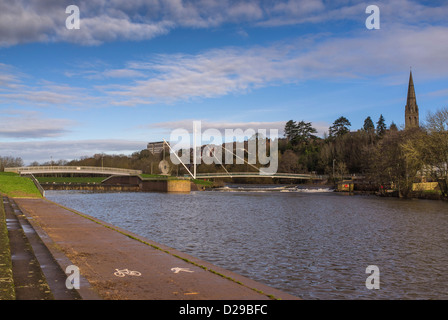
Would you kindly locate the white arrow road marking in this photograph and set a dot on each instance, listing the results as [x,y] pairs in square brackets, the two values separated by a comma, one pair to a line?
[177,270]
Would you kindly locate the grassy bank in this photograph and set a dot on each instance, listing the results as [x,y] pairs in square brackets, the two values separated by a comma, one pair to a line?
[15,186]
[205,183]
[70,179]
[7,291]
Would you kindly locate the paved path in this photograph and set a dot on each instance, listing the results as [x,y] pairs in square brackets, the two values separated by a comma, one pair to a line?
[100,249]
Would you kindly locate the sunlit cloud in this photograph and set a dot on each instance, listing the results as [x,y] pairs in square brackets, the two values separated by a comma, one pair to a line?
[219,72]
[31,125]
[104,21]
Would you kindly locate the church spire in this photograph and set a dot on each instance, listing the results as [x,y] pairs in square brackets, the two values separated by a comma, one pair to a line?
[411,111]
[411,90]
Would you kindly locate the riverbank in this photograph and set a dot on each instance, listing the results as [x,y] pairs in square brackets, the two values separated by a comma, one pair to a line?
[103,253]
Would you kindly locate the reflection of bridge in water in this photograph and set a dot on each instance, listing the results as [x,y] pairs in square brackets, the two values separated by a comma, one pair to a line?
[73,169]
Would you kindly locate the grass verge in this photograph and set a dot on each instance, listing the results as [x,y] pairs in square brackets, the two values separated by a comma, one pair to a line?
[15,186]
[70,179]
[7,291]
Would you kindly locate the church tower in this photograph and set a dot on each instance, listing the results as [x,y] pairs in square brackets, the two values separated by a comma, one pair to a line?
[411,111]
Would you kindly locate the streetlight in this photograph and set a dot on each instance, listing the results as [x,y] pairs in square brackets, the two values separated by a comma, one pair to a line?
[333,169]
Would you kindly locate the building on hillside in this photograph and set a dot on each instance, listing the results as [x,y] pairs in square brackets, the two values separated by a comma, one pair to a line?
[157,147]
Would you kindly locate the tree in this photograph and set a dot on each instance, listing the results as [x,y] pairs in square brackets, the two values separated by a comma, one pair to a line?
[299,132]
[305,131]
[7,162]
[289,162]
[430,151]
[368,125]
[290,130]
[390,163]
[340,170]
[381,126]
[393,127]
[340,127]
[438,121]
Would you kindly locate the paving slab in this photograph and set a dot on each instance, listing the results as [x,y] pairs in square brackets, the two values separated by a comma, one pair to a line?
[116,264]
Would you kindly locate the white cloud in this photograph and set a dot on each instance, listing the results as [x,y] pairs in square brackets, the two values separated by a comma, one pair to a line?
[168,78]
[211,74]
[43,151]
[439,93]
[17,88]
[96,30]
[102,21]
[9,78]
[31,125]
[219,72]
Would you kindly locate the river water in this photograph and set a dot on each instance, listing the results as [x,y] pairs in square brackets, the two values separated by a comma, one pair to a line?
[312,243]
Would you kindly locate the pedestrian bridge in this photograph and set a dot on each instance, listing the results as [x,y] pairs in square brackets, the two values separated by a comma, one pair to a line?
[73,169]
[258,175]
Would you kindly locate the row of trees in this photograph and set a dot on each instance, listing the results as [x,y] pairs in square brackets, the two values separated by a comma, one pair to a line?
[385,155]
[340,152]
[7,161]
[139,160]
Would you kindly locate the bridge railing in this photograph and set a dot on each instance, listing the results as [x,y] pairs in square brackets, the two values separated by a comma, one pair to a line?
[72,169]
[279,175]
[257,174]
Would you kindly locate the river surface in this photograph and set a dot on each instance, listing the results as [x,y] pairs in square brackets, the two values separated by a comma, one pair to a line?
[311,243]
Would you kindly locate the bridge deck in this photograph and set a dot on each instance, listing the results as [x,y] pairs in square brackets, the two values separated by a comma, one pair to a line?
[258,175]
[73,169]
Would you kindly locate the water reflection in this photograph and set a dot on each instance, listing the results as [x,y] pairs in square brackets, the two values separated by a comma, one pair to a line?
[315,245]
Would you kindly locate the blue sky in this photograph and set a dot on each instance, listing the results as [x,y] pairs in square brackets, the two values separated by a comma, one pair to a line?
[137,70]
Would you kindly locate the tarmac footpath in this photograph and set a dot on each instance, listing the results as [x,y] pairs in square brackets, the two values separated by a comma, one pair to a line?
[116,264]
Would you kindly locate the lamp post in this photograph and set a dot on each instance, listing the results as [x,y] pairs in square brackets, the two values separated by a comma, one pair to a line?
[333,170]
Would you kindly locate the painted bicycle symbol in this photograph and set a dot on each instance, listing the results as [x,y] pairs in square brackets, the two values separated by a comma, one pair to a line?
[124,272]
